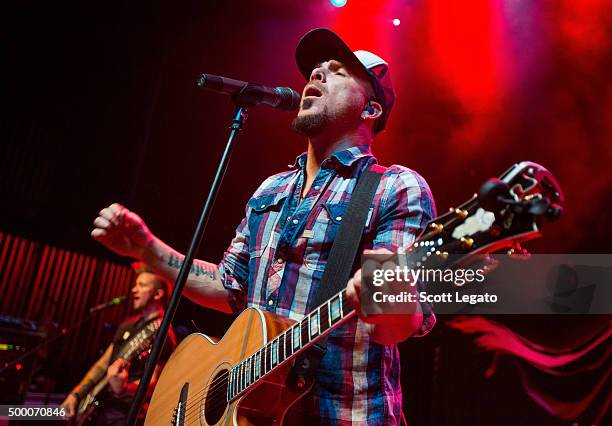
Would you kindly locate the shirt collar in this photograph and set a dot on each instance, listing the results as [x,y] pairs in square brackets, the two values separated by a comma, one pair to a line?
[344,157]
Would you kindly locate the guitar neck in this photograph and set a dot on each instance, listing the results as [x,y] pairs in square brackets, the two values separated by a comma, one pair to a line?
[290,343]
[139,342]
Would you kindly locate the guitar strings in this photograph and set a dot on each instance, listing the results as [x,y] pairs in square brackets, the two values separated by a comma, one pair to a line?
[193,404]
[221,382]
[213,391]
[215,386]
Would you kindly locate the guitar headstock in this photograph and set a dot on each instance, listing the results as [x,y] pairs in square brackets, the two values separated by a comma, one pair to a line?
[507,211]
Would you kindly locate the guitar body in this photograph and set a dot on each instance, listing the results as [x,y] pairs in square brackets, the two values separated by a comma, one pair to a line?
[198,360]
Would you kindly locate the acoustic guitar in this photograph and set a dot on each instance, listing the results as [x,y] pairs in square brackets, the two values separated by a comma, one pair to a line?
[246,377]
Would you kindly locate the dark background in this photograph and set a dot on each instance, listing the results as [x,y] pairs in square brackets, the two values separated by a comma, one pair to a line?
[99,105]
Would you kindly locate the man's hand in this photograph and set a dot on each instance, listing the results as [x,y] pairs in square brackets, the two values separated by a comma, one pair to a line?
[385,328]
[70,406]
[117,375]
[122,231]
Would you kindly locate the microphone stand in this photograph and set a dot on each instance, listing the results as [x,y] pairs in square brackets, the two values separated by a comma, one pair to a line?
[242,100]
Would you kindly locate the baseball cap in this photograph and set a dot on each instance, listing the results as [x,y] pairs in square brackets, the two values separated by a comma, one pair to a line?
[322,44]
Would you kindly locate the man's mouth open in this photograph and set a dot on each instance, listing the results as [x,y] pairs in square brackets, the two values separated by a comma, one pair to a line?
[312,92]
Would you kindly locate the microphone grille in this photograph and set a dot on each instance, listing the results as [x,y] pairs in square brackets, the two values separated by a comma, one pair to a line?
[290,99]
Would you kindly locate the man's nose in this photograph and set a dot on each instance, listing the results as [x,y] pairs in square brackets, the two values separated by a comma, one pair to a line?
[318,74]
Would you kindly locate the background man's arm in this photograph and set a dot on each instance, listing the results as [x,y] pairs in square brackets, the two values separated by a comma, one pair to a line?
[94,374]
[91,378]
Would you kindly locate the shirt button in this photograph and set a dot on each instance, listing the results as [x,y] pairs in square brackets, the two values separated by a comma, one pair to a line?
[338,218]
[279,261]
[288,218]
[270,302]
[295,221]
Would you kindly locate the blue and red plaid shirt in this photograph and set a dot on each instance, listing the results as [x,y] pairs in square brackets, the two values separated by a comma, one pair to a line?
[277,258]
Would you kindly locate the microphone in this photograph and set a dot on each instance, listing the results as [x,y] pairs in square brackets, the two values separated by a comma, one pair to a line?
[113,302]
[251,94]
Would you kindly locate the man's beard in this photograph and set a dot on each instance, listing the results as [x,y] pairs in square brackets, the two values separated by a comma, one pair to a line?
[311,124]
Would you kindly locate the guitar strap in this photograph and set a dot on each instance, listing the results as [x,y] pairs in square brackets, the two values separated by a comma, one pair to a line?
[339,266]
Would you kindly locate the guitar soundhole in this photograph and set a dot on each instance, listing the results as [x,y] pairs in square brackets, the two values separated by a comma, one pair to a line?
[216,398]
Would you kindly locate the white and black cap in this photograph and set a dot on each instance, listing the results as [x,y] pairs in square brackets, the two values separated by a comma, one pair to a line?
[321,44]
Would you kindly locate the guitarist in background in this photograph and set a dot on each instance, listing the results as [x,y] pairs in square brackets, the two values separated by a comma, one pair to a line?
[277,257]
[149,296]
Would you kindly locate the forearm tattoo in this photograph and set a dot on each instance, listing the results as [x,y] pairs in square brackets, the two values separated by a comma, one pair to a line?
[197,268]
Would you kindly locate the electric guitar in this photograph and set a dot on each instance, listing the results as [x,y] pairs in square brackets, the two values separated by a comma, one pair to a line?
[135,347]
[245,378]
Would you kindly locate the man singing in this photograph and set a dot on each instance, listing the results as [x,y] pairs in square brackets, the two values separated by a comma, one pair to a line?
[149,294]
[276,260]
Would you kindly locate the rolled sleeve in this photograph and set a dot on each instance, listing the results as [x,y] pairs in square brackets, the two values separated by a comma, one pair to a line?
[234,268]
[406,207]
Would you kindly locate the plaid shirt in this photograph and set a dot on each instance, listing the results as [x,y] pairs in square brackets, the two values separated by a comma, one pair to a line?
[277,258]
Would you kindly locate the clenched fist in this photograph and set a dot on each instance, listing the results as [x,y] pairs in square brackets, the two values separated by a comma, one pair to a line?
[122,231]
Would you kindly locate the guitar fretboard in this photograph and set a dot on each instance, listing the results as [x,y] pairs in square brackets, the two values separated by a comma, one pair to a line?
[140,341]
[288,343]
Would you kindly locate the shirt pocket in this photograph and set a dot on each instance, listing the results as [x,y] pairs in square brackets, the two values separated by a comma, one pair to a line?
[263,221]
[336,211]
[322,234]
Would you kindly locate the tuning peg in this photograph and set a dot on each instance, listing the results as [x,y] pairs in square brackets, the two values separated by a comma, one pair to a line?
[487,263]
[495,231]
[459,212]
[539,206]
[436,227]
[490,264]
[553,212]
[467,242]
[518,252]
[442,254]
[490,192]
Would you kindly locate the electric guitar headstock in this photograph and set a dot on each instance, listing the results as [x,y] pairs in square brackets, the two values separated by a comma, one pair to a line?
[506,211]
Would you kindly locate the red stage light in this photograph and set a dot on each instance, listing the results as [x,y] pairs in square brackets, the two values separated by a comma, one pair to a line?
[396,22]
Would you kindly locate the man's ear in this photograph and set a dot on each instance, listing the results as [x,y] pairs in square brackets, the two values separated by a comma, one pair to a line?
[372,111]
[159,293]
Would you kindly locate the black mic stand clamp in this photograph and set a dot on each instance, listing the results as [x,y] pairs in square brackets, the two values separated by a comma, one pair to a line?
[242,99]
[248,96]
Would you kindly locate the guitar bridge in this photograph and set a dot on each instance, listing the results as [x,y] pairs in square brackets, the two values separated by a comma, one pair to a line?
[178,414]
